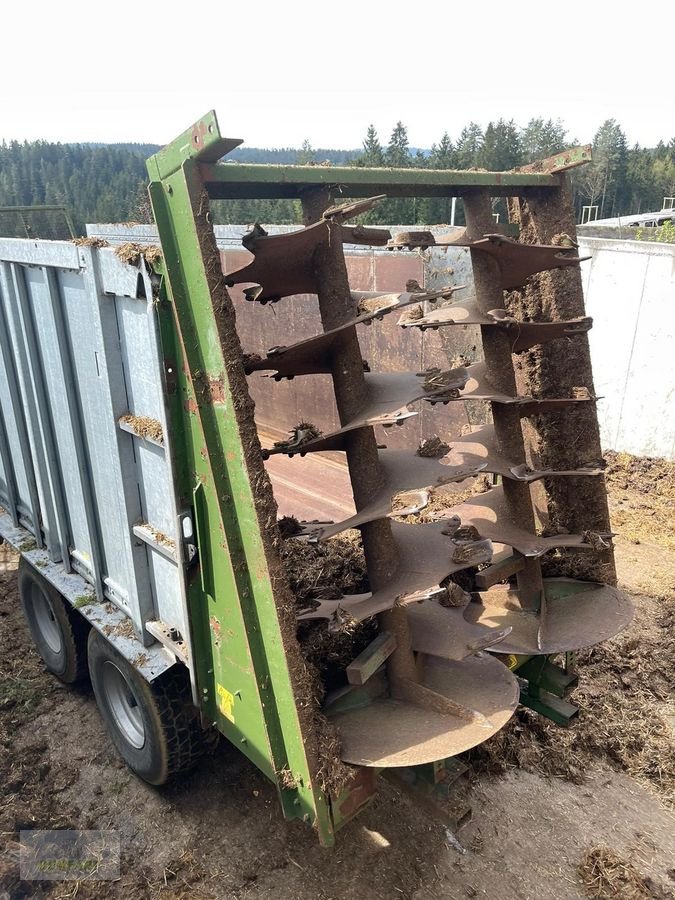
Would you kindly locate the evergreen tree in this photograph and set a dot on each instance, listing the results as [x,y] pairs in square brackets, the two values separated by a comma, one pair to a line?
[469,145]
[397,154]
[501,147]
[542,138]
[399,211]
[437,211]
[306,154]
[604,181]
[372,150]
[443,154]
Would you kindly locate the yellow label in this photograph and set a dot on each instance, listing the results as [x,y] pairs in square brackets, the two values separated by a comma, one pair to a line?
[511,661]
[225,702]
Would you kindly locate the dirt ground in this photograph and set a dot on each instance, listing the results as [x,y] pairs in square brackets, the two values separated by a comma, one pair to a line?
[538,812]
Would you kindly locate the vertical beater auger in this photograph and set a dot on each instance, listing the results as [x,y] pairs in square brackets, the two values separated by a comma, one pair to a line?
[425,689]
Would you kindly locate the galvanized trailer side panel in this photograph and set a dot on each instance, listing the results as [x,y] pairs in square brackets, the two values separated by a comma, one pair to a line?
[79,350]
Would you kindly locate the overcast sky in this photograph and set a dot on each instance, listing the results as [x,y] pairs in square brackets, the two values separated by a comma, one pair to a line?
[279,73]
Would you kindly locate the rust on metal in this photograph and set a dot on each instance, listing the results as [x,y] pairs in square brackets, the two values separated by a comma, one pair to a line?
[490,514]
[480,445]
[403,472]
[570,621]
[523,335]
[425,556]
[397,732]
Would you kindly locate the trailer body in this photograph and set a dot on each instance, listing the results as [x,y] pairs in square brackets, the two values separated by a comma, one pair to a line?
[85,459]
[132,480]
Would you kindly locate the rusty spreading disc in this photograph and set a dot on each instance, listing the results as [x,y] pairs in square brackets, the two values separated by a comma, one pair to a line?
[403,472]
[426,555]
[456,705]
[447,632]
[387,400]
[574,614]
[490,515]
[312,356]
[523,335]
[480,445]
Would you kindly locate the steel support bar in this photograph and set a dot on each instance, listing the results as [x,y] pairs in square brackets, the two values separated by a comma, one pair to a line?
[77,429]
[248,667]
[8,470]
[255,182]
[561,162]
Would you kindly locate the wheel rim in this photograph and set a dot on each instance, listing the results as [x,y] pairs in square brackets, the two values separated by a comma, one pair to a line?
[45,620]
[123,705]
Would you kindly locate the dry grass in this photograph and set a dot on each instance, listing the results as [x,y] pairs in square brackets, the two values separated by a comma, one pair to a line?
[433,447]
[607,876]
[332,567]
[642,498]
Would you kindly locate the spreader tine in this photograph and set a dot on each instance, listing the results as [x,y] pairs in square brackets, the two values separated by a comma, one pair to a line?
[403,472]
[489,514]
[282,264]
[312,356]
[427,554]
[475,697]
[344,211]
[479,387]
[481,444]
[523,335]
[388,397]
[517,262]
[576,614]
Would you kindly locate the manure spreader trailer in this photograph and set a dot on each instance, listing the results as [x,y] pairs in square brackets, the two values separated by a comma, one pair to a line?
[133,481]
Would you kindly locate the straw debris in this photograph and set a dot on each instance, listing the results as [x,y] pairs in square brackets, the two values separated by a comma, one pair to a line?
[607,876]
[374,304]
[289,526]
[300,434]
[132,253]
[144,427]
[94,242]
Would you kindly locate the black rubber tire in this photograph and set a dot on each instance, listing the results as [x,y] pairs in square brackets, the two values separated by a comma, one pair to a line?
[63,643]
[172,736]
